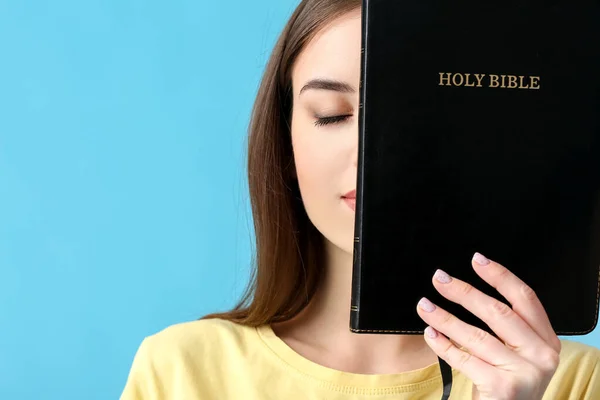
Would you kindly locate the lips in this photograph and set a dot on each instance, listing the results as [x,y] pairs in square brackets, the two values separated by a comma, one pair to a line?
[350,195]
[350,199]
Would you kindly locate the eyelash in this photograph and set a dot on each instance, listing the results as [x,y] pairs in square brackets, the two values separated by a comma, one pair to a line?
[331,120]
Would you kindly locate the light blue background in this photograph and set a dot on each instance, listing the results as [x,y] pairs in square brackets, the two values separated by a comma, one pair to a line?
[123,204]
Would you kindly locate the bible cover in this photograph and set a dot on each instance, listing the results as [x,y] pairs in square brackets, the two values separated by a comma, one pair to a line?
[479,131]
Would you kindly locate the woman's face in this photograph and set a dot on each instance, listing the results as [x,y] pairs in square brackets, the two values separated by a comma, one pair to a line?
[325,81]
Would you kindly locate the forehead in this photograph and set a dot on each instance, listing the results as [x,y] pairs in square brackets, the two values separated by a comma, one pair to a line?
[333,53]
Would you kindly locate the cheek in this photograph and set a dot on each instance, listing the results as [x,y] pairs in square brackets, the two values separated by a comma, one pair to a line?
[315,165]
[320,168]
[323,161]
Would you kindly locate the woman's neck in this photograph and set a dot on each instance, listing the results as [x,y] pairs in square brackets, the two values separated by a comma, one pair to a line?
[321,332]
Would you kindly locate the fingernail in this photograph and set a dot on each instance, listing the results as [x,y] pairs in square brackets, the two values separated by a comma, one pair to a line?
[442,277]
[432,333]
[480,259]
[426,305]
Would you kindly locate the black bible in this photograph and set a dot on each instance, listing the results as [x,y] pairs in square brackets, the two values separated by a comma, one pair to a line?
[479,131]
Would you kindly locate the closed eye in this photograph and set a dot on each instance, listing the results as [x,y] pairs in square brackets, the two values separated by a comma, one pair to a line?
[321,121]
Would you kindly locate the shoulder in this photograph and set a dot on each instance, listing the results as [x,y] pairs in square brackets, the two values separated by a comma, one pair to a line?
[578,372]
[175,358]
[575,354]
[575,349]
[200,337]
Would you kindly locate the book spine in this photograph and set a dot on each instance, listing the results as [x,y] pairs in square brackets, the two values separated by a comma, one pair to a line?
[357,259]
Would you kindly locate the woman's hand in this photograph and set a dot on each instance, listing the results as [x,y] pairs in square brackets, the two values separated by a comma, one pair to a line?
[521,361]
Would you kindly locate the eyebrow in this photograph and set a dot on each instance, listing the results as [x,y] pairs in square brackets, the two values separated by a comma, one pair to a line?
[328,84]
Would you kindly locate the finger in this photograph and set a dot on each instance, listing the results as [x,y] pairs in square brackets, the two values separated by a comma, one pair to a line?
[472,367]
[474,340]
[521,296]
[501,319]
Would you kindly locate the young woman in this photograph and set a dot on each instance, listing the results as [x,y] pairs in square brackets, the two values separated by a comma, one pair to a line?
[289,336]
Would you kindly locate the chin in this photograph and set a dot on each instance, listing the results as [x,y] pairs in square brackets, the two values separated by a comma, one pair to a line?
[337,228]
[342,243]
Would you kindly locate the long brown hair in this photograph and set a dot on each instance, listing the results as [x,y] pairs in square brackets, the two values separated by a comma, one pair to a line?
[289,253]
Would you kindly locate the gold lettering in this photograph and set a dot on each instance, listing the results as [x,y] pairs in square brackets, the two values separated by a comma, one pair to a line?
[469,83]
[479,79]
[512,82]
[521,83]
[444,78]
[503,85]
[494,80]
[462,79]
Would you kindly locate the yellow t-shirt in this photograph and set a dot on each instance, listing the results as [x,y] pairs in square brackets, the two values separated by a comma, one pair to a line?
[217,359]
